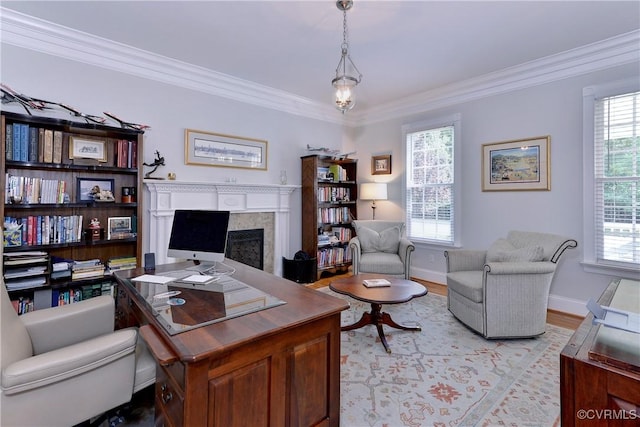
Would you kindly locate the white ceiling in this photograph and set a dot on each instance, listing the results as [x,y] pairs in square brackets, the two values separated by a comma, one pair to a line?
[401,47]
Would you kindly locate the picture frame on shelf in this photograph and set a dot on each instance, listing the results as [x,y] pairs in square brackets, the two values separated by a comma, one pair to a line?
[517,165]
[215,149]
[87,148]
[85,188]
[119,227]
[381,165]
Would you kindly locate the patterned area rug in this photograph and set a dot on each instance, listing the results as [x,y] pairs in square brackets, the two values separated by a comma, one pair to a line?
[445,375]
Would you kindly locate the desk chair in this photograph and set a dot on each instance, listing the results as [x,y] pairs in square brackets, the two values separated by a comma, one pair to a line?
[64,365]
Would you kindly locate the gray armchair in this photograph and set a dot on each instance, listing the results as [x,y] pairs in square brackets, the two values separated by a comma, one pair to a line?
[62,366]
[502,292]
[381,247]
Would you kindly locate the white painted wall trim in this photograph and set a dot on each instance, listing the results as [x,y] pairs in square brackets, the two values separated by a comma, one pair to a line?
[166,196]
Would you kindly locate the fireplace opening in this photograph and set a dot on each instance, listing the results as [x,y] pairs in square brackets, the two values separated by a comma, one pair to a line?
[247,247]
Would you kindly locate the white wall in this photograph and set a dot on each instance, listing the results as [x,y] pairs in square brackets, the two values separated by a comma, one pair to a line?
[553,109]
[169,110]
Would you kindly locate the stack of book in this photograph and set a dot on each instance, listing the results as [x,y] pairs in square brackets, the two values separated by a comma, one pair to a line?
[24,270]
[60,269]
[121,263]
[88,269]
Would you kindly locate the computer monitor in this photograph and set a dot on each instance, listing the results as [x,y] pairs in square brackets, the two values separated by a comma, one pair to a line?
[199,235]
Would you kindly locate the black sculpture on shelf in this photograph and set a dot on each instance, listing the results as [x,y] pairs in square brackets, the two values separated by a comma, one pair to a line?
[159,161]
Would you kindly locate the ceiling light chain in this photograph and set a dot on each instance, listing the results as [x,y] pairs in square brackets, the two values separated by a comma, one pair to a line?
[344,83]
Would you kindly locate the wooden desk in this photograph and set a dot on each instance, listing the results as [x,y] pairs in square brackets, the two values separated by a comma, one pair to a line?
[600,368]
[275,367]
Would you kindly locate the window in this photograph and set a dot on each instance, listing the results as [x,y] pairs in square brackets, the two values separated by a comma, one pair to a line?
[431,181]
[617,165]
[612,231]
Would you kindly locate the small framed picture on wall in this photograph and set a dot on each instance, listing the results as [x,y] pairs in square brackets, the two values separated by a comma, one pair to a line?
[381,165]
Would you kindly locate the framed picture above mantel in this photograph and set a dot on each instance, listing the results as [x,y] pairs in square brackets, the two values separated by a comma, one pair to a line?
[517,165]
[216,149]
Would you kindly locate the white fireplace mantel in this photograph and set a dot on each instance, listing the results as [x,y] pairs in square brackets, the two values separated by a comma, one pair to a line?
[166,196]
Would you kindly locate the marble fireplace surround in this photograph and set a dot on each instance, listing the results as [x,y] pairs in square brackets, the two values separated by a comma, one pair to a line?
[264,206]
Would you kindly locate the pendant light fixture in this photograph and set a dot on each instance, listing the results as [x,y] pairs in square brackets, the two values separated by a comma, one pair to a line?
[345,82]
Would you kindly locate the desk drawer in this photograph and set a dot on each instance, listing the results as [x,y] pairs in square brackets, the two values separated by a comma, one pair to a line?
[169,399]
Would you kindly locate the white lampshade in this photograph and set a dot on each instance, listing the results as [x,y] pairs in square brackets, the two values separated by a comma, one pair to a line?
[373,191]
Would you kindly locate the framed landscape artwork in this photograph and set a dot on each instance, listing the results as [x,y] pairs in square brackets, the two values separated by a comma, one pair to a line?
[215,149]
[518,165]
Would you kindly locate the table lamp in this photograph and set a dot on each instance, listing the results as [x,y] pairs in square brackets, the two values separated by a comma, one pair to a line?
[373,191]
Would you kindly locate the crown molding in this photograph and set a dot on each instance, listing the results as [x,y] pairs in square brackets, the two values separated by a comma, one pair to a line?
[35,34]
[32,33]
[608,53]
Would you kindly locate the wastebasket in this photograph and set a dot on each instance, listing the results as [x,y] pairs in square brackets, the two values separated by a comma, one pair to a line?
[300,269]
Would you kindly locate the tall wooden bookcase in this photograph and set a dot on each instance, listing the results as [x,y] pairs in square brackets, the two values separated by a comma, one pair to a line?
[42,191]
[329,204]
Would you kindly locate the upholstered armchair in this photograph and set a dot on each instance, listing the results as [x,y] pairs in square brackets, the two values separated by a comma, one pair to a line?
[502,292]
[381,247]
[62,366]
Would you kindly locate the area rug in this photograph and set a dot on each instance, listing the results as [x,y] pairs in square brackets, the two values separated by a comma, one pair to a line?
[445,375]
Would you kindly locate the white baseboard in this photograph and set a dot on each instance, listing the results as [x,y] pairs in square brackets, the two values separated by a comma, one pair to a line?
[556,302]
[429,275]
[568,305]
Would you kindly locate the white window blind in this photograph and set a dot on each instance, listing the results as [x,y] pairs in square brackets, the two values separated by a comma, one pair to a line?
[430,184]
[617,179]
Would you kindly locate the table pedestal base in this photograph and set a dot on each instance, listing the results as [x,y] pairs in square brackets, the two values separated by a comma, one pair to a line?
[378,318]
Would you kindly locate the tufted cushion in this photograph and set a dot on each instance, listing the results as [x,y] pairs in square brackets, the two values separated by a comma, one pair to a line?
[503,251]
[386,241]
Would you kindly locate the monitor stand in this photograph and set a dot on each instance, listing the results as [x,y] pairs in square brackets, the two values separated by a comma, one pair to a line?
[202,267]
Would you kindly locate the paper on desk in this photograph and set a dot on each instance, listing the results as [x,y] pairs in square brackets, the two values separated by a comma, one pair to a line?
[151,278]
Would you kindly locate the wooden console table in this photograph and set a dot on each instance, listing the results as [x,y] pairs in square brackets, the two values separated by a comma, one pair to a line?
[275,367]
[600,367]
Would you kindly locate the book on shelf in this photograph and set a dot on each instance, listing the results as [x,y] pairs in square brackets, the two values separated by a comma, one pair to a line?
[122,263]
[8,144]
[376,283]
[57,147]
[47,155]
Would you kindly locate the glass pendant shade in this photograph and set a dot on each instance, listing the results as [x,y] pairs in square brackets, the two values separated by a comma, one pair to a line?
[344,83]
[344,96]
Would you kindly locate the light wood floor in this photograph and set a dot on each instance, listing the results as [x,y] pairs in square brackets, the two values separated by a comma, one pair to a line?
[557,318]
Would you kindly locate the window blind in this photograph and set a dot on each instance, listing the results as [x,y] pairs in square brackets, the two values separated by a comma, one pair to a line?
[430,184]
[617,179]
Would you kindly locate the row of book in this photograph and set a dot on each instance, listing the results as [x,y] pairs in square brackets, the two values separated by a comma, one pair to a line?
[121,263]
[334,173]
[55,298]
[44,229]
[126,154]
[30,189]
[334,194]
[89,269]
[334,255]
[334,215]
[64,269]
[25,143]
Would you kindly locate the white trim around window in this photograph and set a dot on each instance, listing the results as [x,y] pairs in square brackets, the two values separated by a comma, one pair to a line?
[590,95]
[446,121]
